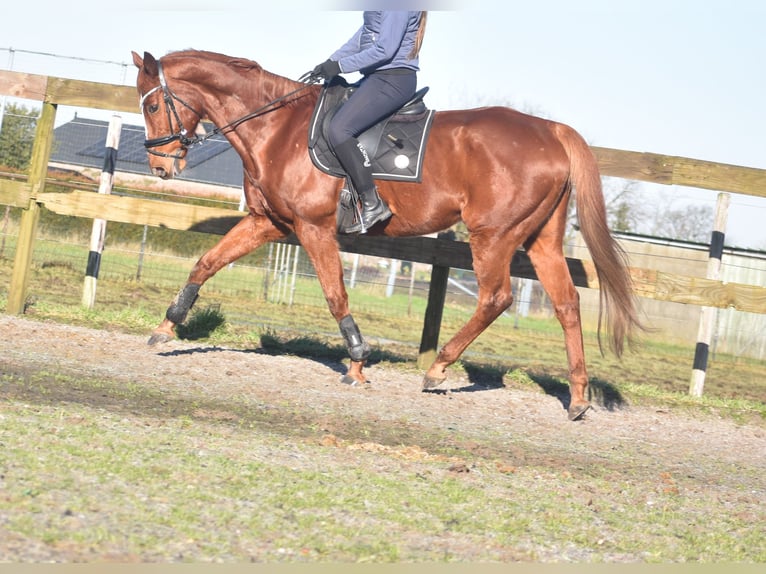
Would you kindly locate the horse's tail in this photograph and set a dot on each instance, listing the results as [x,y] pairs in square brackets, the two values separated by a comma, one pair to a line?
[617,309]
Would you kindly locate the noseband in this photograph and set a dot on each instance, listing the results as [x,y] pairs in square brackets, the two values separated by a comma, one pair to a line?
[170,97]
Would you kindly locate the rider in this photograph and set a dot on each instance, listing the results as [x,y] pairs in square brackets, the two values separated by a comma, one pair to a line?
[385,51]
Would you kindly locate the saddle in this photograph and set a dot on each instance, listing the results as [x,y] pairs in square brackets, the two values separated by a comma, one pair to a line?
[396,144]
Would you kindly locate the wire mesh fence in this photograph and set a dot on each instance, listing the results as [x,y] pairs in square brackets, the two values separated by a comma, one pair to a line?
[275,276]
[277,283]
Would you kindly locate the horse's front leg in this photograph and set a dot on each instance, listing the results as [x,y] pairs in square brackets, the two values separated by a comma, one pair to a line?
[358,349]
[251,232]
[322,248]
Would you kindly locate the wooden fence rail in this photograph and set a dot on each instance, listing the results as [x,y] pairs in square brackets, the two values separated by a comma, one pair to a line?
[29,194]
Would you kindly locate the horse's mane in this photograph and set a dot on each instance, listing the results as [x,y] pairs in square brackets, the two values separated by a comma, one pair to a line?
[216,57]
[272,85]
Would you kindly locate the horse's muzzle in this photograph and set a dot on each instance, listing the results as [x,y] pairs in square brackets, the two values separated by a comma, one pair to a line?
[167,167]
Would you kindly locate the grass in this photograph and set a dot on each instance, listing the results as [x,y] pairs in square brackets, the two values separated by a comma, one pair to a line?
[200,324]
[143,475]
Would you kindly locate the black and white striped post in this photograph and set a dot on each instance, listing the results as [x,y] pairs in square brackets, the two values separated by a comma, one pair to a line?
[99,225]
[708,314]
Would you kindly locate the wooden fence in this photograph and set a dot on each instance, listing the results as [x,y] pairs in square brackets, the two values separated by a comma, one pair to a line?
[29,193]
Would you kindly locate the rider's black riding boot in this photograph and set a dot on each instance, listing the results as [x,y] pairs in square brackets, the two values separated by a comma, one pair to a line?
[374,209]
[354,159]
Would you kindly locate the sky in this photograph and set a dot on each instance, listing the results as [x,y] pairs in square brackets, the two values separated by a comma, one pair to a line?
[677,77]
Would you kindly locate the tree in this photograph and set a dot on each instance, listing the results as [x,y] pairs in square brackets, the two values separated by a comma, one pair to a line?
[692,222]
[17,136]
[624,211]
[631,209]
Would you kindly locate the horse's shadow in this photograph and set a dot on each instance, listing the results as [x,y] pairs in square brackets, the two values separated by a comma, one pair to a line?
[600,392]
[324,361]
[487,377]
[326,354]
[481,377]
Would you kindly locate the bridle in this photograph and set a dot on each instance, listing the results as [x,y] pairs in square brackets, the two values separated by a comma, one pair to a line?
[170,97]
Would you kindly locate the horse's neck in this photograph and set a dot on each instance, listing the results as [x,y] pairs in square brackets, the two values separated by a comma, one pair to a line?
[233,95]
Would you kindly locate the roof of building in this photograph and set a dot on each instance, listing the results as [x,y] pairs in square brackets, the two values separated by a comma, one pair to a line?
[82,142]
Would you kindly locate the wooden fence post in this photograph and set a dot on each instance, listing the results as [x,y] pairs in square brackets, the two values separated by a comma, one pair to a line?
[707,315]
[437,293]
[38,169]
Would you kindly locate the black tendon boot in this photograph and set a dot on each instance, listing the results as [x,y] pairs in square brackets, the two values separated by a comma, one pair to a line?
[354,159]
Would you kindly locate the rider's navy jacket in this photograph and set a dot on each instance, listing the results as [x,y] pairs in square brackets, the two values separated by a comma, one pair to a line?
[384,41]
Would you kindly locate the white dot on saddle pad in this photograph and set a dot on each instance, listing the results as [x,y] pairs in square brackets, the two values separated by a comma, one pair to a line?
[401,161]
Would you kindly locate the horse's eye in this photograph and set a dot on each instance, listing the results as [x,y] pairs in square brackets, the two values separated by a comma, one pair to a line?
[153,108]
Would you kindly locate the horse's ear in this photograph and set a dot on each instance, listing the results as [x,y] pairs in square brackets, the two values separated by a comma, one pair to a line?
[148,64]
[139,63]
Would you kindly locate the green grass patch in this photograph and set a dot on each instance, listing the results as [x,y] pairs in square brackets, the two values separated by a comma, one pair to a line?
[125,473]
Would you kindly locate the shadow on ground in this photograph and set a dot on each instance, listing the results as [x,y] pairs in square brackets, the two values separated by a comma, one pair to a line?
[481,377]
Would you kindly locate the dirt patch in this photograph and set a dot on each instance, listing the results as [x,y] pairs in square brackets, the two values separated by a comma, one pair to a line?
[303,399]
[536,421]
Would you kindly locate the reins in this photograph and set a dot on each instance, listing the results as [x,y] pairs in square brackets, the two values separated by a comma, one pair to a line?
[169,97]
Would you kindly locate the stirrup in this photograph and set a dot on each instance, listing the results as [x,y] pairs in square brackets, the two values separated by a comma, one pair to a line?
[380,212]
[349,213]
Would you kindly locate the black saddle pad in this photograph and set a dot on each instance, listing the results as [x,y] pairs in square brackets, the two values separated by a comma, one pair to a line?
[396,145]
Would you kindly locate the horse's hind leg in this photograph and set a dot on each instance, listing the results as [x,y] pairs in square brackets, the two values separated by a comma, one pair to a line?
[547,257]
[491,264]
[251,232]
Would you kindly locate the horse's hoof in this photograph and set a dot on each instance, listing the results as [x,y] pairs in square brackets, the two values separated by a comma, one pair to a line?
[351,381]
[432,382]
[159,338]
[577,411]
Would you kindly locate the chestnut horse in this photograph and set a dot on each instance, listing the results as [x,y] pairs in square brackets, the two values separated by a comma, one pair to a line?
[507,175]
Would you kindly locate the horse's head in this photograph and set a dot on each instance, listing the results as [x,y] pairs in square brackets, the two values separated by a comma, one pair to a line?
[170,118]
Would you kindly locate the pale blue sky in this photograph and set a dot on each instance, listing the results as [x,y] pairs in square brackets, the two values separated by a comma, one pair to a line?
[677,77]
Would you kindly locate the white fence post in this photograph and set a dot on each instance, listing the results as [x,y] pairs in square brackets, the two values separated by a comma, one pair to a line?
[99,225]
[707,315]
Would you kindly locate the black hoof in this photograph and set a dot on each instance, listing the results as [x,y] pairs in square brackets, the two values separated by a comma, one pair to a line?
[431,382]
[351,381]
[158,339]
[576,412]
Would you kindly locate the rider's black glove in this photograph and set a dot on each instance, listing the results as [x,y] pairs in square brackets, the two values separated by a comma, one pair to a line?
[327,70]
